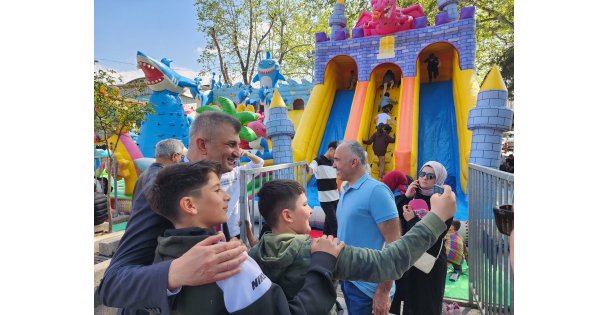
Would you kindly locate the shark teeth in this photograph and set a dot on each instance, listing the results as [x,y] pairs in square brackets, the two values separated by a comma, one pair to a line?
[155,81]
[142,64]
[267,71]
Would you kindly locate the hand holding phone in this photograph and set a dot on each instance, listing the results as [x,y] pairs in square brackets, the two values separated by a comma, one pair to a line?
[437,189]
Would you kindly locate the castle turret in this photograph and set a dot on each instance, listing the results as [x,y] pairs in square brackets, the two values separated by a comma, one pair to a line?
[450,7]
[280,130]
[488,120]
[337,22]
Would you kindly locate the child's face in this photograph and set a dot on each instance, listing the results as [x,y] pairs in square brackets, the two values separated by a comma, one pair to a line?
[213,203]
[301,215]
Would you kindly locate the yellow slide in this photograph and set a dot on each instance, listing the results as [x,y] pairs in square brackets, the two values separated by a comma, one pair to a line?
[368,123]
[312,124]
[465,89]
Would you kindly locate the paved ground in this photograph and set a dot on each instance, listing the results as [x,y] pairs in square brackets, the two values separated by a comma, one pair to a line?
[102,310]
[465,310]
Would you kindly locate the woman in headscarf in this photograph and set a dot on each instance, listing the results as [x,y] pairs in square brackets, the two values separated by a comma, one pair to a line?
[422,293]
[396,181]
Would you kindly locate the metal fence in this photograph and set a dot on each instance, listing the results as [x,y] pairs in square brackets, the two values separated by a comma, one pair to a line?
[252,180]
[490,273]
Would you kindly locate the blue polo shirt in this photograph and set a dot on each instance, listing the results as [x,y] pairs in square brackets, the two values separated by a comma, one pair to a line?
[363,206]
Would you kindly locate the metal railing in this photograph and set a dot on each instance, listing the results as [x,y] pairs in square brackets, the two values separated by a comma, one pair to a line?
[490,272]
[252,180]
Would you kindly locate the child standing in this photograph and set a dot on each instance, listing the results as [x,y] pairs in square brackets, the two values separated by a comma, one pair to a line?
[284,254]
[454,249]
[380,140]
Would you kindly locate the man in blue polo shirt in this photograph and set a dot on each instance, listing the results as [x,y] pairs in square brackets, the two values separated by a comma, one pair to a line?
[367,217]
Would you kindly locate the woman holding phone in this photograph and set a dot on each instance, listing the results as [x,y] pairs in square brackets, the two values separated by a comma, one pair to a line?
[422,293]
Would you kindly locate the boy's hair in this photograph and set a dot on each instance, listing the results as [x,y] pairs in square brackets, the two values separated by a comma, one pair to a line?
[386,94]
[174,182]
[380,127]
[387,108]
[333,144]
[388,128]
[456,224]
[277,195]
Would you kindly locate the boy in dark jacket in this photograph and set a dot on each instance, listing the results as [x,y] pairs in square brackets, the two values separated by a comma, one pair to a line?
[190,196]
[284,254]
[380,140]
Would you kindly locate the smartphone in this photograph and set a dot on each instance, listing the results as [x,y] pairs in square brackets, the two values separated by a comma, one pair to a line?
[437,189]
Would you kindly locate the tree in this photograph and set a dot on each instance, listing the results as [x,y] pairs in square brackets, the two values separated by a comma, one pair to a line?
[495,38]
[113,115]
[235,31]
[292,38]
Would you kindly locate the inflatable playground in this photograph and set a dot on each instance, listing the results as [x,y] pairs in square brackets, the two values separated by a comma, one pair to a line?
[435,117]
[439,114]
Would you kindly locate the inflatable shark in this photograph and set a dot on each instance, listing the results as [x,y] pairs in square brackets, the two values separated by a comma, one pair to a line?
[269,74]
[169,119]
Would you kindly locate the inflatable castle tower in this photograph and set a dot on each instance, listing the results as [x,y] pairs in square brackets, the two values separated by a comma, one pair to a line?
[489,120]
[280,130]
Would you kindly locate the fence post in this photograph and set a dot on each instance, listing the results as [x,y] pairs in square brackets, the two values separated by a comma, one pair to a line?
[491,284]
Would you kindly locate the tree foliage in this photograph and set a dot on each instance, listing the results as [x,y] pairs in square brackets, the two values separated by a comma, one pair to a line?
[495,38]
[237,31]
[114,113]
[234,31]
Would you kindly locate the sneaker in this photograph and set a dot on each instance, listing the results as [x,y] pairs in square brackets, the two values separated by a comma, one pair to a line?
[454,276]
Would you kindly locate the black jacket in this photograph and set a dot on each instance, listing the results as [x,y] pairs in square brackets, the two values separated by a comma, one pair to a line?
[317,296]
[406,226]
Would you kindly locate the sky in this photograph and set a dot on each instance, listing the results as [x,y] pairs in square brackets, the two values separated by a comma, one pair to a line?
[158,28]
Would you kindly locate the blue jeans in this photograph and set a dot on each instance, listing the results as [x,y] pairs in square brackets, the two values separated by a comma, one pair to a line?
[357,302]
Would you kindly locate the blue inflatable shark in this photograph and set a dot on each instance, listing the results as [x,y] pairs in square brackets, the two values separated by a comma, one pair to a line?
[269,74]
[169,121]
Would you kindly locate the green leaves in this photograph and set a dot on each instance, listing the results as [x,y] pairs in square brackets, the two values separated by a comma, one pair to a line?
[115,113]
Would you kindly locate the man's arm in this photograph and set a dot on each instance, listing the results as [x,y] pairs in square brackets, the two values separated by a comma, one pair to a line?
[364,264]
[312,168]
[391,231]
[132,281]
[256,161]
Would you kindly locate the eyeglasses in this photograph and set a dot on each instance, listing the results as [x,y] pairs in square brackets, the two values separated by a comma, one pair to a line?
[430,176]
[181,155]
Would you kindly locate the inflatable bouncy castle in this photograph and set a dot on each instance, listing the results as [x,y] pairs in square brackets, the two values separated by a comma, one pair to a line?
[435,87]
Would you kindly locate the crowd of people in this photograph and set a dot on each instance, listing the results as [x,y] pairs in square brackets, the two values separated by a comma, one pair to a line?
[181,252]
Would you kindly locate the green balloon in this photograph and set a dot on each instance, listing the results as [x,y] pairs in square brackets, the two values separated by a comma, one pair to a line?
[247,134]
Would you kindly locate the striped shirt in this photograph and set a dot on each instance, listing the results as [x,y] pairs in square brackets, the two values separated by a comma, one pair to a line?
[326,179]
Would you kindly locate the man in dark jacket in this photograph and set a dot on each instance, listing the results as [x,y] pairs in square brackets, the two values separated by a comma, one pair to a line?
[136,284]
[167,152]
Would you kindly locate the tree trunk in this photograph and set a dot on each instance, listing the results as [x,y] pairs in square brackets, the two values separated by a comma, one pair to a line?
[219,54]
[110,171]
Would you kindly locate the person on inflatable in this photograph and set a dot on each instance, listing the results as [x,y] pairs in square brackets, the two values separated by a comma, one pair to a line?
[432,66]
